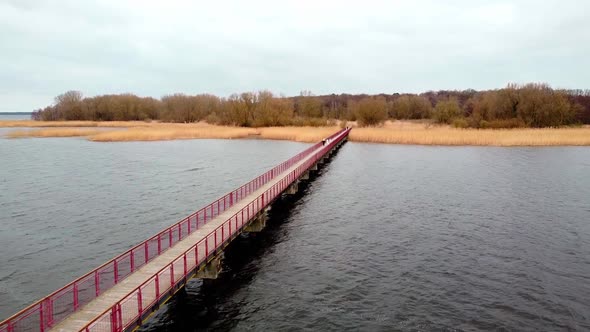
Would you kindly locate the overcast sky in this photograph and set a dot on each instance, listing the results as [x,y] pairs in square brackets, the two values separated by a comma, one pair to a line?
[220,47]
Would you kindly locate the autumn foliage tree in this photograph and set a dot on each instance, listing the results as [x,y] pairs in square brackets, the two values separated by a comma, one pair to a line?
[272,111]
[529,105]
[69,105]
[541,106]
[369,111]
[410,107]
[309,106]
[446,110]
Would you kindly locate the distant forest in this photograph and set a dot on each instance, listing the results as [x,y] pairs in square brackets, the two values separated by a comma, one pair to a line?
[528,105]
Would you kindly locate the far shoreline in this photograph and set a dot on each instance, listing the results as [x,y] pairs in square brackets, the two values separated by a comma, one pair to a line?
[392,132]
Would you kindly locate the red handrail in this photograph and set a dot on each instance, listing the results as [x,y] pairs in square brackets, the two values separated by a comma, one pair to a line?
[74,295]
[134,299]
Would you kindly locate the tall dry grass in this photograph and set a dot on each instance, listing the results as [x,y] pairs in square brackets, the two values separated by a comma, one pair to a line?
[172,133]
[126,130]
[425,134]
[66,124]
[154,131]
[53,132]
[397,132]
[298,134]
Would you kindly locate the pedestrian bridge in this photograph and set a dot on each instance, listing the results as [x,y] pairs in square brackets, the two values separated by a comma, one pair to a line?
[122,293]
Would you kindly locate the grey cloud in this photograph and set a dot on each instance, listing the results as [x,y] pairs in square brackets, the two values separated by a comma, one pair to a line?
[154,48]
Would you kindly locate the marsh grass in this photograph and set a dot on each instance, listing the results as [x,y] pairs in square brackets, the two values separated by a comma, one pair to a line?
[298,134]
[425,134]
[53,132]
[66,124]
[397,132]
[171,133]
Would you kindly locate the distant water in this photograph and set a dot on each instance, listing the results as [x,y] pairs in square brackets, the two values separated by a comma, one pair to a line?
[15,116]
[386,237]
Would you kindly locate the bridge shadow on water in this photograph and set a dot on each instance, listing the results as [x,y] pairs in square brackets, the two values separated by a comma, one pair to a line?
[207,304]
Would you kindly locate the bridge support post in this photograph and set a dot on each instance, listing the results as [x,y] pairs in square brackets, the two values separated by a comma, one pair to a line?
[212,269]
[314,167]
[293,188]
[305,176]
[258,224]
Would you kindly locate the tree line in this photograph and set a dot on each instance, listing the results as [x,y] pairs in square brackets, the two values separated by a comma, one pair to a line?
[528,105]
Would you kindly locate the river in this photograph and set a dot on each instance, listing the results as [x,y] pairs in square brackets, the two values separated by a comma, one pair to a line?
[383,237]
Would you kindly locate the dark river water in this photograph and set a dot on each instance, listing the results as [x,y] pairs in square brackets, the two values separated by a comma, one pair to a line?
[384,237]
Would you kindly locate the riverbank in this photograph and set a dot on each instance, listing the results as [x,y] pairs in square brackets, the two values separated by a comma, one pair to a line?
[397,132]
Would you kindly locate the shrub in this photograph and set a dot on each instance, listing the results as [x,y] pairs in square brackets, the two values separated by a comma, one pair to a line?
[541,106]
[446,110]
[483,124]
[213,118]
[370,111]
[502,124]
[460,123]
[308,122]
[410,107]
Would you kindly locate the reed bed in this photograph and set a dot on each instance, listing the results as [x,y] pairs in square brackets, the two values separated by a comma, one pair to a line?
[53,132]
[172,133]
[196,131]
[298,134]
[67,124]
[481,137]
[396,132]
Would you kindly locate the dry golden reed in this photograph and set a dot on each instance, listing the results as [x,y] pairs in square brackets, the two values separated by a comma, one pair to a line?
[481,137]
[53,132]
[397,132]
[298,134]
[171,133]
[35,124]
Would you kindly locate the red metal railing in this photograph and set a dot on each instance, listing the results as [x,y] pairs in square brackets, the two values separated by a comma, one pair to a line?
[50,310]
[128,310]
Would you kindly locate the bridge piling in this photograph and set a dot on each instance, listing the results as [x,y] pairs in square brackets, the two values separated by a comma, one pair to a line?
[292,190]
[258,224]
[212,269]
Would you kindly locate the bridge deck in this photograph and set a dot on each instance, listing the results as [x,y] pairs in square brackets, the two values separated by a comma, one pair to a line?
[109,298]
